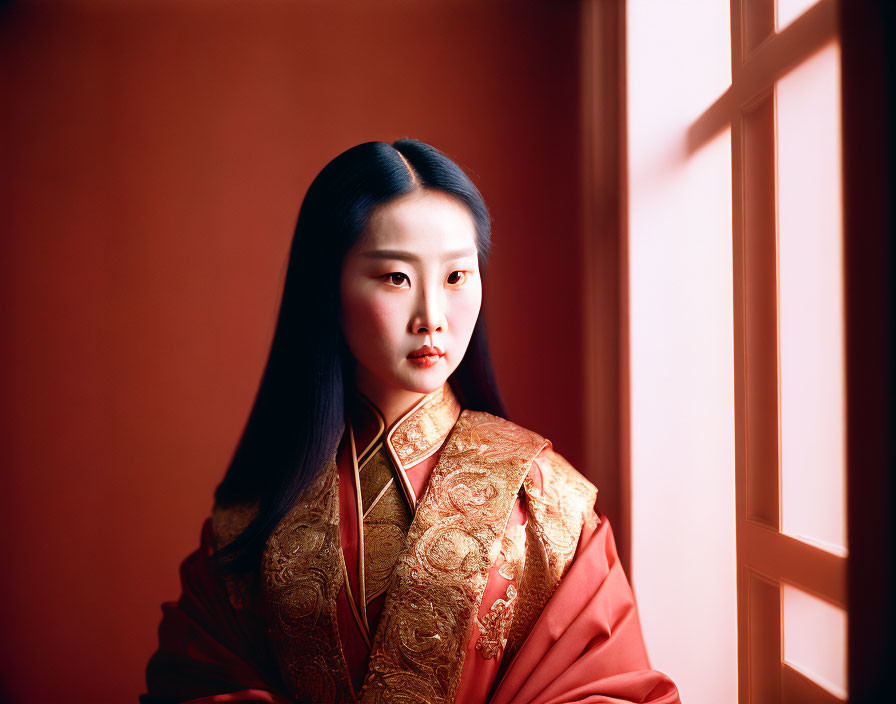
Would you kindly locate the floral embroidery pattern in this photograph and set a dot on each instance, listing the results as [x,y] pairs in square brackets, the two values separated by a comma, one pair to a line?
[421,433]
[494,627]
[513,552]
[437,587]
[557,510]
[302,575]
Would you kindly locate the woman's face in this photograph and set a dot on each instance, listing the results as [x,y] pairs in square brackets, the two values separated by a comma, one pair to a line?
[410,292]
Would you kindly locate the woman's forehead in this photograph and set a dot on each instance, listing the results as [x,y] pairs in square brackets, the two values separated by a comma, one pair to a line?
[425,222]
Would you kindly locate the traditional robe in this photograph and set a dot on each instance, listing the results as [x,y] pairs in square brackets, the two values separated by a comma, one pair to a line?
[452,557]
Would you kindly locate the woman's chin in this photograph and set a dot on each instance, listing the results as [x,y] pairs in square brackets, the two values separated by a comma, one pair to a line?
[425,381]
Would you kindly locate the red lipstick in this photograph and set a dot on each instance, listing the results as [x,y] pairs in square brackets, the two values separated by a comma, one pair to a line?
[426,356]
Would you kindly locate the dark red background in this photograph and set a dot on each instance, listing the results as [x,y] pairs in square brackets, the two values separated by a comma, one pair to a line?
[154,156]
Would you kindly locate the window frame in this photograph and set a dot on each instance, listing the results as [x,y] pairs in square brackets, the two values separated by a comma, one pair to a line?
[766,557]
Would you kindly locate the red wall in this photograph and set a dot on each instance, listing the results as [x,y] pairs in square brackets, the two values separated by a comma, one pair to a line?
[153,161]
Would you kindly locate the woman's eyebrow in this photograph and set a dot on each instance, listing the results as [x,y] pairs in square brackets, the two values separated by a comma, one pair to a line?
[411,257]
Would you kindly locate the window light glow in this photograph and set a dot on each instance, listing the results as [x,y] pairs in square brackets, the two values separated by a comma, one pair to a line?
[789,10]
[810,235]
[815,639]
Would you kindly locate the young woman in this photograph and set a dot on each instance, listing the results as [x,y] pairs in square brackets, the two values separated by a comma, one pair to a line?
[383,534]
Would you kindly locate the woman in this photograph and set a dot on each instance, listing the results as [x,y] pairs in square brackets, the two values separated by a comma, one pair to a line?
[382,533]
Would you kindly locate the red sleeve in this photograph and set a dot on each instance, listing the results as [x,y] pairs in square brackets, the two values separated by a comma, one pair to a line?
[587,647]
[206,653]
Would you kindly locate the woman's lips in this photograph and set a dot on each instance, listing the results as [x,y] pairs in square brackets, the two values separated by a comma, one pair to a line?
[426,360]
[426,356]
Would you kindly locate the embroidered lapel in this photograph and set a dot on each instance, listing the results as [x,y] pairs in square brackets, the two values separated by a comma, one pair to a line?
[303,573]
[557,511]
[387,499]
[438,582]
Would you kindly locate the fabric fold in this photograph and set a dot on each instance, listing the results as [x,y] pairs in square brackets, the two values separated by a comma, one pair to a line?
[587,646]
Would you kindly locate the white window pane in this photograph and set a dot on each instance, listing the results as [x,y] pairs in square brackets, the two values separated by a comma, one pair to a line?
[815,639]
[811,302]
[789,10]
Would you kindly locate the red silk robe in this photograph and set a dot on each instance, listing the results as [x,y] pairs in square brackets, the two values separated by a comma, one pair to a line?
[453,557]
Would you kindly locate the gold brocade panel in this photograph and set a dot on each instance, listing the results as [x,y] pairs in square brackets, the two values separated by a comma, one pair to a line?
[557,511]
[437,586]
[302,576]
[387,518]
[434,593]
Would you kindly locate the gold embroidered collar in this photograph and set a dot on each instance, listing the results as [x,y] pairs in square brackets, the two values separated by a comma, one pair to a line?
[418,434]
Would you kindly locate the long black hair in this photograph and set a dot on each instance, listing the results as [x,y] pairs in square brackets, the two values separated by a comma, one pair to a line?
[297,419]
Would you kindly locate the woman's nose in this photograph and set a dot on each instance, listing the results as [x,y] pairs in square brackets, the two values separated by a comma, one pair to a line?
[430,313]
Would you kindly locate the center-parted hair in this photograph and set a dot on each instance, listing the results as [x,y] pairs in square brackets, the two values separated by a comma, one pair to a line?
[298,416]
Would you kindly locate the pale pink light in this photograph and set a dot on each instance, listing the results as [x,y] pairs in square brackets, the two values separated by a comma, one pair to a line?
[789,10]
[810,251]
[815,639]
[681,347]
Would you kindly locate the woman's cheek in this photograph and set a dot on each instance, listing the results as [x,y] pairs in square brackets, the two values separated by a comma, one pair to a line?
[364,306]
[467,309]
[462,318]
[383,325]
[384,314]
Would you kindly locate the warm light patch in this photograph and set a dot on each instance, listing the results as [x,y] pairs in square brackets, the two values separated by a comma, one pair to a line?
[789,10]
[681,346]
[810,261]
[815,639]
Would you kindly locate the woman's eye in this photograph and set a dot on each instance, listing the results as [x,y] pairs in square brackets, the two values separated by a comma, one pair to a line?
[457,277]
[396,278]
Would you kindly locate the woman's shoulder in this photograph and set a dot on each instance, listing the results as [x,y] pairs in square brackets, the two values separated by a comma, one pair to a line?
[551,477]
[559,502]
[552,474]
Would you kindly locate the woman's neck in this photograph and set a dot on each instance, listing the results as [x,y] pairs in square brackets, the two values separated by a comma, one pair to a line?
[392,402]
